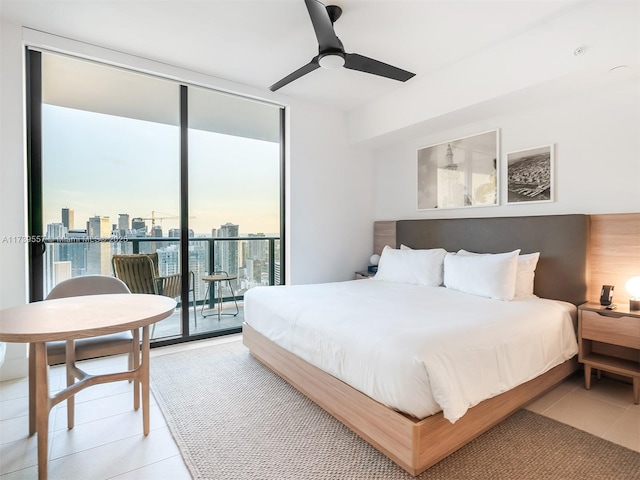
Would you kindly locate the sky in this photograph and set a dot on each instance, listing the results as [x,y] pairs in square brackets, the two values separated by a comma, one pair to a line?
[98,164]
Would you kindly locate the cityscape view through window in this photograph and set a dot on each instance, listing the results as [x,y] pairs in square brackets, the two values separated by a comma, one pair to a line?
[84,244]
[111,181]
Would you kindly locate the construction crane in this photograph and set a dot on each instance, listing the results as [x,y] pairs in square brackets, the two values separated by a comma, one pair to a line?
[153,218]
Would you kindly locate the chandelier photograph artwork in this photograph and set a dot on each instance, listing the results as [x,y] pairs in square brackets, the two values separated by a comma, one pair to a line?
[459,173]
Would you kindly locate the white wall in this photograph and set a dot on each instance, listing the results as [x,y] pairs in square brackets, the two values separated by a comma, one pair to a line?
[329,232]
[608,32]
[13,275]
[597,153]
[331,199]
[536,91]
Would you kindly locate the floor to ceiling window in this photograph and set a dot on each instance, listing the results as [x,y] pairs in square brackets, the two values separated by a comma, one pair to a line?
[234,199]
[126,163]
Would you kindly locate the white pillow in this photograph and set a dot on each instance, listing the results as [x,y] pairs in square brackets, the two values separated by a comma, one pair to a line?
[526,273]
[492,276]
[417,267]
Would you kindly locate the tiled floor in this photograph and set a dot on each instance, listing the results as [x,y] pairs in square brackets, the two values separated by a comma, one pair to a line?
[107,440]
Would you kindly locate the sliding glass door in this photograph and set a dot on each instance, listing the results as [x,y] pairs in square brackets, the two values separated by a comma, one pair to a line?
[126,163]
[234,201]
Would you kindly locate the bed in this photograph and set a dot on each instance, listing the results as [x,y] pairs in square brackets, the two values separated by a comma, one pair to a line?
[418,428]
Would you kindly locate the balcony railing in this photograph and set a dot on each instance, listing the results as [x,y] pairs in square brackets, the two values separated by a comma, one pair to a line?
[255,260]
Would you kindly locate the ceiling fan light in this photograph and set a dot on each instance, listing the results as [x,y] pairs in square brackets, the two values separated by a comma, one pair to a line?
[331,60]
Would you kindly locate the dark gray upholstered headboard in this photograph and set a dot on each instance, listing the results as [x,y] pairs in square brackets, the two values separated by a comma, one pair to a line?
[562,241]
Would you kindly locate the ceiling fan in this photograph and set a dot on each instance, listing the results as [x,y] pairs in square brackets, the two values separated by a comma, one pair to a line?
[331,52]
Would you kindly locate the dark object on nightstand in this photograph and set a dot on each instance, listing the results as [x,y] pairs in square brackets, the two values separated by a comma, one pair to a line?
[372,269]
[606,295]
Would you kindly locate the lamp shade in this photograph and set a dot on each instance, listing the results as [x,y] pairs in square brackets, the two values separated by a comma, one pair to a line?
[633,287]
[375,259]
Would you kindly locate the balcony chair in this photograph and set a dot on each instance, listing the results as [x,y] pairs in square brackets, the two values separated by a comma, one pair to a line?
[104,345]
[141,274]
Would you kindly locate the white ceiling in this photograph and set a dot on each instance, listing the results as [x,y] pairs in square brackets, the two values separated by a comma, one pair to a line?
[91,86]
[257,42]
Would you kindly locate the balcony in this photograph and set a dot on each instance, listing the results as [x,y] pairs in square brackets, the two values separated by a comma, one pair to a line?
[255,260]
[171,327]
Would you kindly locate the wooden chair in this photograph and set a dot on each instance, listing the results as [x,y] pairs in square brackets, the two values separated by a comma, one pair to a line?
[105,345]
[141,274]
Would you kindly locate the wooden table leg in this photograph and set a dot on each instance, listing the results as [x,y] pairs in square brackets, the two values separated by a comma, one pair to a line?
[70,359]
[42,407]
[134,366]
[32,389]
[144,379]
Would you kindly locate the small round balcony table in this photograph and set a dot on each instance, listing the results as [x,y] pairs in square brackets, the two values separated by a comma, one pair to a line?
[218,278]
[69,319]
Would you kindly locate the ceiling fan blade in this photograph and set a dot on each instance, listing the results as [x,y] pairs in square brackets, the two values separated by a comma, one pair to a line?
[353,61]
[309,67]
[327,39]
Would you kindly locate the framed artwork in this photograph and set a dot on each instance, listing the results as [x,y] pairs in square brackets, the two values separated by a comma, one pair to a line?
[530,175]
[459,173]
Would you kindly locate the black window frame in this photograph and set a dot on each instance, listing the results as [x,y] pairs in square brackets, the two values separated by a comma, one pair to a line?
[35,226]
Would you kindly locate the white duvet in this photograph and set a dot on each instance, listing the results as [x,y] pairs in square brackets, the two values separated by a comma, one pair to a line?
[417,349]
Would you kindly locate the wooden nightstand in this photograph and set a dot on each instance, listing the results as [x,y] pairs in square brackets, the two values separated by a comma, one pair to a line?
[364,274]
[609,340]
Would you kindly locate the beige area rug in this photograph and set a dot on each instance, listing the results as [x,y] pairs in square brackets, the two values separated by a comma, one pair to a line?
[234,419]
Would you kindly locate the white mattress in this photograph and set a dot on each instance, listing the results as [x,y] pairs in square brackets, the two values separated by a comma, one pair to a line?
[416,349]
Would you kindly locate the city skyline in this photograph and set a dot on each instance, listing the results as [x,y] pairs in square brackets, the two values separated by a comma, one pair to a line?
[249,260]
[115,225]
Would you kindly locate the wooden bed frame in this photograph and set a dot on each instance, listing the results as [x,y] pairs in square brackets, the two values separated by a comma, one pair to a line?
[413,444]
[416,444]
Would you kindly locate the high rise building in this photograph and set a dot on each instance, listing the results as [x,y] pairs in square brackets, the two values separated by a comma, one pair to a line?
[56,230]
[197,265]
[66,259]
[168,260]
[67,218]
[256,249]
[139,226]
[226,252]
[255,258]
[123,223]
[228,230]
[98,252]
[249,268]
[99,227]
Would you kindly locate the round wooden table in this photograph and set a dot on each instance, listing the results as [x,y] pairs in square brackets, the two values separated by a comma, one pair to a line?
[69,319]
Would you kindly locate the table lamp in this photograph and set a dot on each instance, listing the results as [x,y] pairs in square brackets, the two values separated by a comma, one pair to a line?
[633,287]
[373,261]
